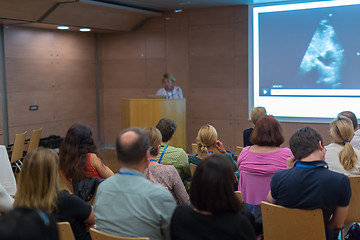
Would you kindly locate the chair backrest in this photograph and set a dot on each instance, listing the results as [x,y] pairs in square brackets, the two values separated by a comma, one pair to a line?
[18,148]
[34,139]
[238,150]
[296,224]
[194,148]
[192,168]
[97,235]
[65,231]
[239,196]
[353,214]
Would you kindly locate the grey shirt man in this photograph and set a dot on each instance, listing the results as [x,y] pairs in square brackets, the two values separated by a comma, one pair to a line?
[129,205]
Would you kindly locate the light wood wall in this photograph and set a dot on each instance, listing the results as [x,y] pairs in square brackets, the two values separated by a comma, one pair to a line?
[54,70]
[206,50]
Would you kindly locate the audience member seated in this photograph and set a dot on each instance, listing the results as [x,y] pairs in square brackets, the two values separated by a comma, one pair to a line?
[258,163]
[166,175]
[6,201]
[255,114]
[207,141]
[78,155]
[340,155]
[355,142]
[216,211]
[28,224]
[168,154]
[309,184]
[127,204]
[38,188]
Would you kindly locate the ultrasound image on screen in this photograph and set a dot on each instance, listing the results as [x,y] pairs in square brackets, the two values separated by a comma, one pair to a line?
[312,49]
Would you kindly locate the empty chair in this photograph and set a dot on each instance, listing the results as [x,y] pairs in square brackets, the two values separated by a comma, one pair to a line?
[65,231]
[97,235]
[17,150]
[34,139]
[296,224]
[353,214]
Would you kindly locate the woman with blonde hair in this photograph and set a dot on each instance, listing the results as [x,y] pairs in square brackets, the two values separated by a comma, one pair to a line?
[169,89]
[38,187]
[207,142]
[255,115]
[166,175]
[340,155]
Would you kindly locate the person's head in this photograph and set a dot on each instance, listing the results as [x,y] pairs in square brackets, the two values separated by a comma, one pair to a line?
[168,81]
[207,137]
[267,132]
[132,146]
[352,117]
[28,224]
[212,186]
[342,132]
[257,113]
[74,148]
[155,139]
[304,142]
[167,128]
[38,182]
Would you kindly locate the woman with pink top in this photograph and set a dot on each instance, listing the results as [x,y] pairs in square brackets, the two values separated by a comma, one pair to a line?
[258,163]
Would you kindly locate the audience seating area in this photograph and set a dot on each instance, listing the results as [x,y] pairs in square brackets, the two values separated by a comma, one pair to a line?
[97,235]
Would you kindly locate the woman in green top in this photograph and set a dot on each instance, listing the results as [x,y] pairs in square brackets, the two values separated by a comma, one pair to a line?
[207,142]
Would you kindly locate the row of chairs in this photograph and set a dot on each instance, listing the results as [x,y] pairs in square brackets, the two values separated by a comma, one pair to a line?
[16,150]
[65,233]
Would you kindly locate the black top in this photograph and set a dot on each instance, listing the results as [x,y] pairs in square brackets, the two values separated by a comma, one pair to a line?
[186,224]
[246,137]
[74,210]
[311,185]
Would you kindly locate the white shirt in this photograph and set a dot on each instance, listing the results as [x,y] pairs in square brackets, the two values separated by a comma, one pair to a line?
[7,179]
[355,142]
[6,202]
[175,93]
[332,159]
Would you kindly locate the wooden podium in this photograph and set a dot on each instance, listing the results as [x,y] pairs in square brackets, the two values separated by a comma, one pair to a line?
[147,112]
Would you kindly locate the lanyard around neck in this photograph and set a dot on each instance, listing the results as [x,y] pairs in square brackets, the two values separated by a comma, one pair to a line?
[128,173]
[172,93]
[162,154]
[153,160]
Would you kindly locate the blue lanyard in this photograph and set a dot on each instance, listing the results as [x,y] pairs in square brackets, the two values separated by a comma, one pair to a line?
[162,154]
[153,160]
[172,94]
[128,173]
[305,166]
[210,152]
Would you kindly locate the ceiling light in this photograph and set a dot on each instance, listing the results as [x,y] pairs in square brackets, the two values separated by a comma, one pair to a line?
[85,29]
[178,10]
[63,27]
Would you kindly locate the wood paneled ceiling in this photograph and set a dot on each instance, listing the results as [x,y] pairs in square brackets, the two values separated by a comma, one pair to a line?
[73,13]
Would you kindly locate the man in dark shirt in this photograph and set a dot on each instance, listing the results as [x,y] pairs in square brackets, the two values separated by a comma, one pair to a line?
[309,184]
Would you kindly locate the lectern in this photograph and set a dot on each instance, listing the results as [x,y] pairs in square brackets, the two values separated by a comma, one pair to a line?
[147,112]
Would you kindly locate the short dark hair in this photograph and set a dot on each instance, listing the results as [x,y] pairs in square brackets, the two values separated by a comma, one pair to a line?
[134,152]
[167,128]
[267,132]
[212,186]
[28,224]
[352,117]
[304,142]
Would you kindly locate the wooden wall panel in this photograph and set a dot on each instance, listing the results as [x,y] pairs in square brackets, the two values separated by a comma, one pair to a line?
[207,52]
[54,70]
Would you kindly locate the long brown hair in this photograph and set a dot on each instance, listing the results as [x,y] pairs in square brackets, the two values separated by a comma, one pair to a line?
[77,143]
[38,182]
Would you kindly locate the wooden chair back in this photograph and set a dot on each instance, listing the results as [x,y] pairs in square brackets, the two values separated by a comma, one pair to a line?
[65,231]
[239,196]
[192,168]
[238,150]
[97,235]
[18,148]
[296,224]
[34,139]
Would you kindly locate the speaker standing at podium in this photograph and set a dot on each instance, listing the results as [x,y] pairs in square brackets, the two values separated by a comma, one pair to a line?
[169,89]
